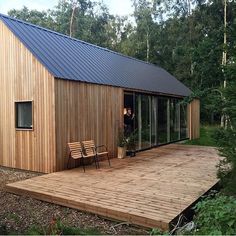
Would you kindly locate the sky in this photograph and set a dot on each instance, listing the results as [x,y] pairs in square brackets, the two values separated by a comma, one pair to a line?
[116,7]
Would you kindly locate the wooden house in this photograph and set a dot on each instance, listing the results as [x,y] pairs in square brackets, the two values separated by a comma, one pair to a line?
[56,89]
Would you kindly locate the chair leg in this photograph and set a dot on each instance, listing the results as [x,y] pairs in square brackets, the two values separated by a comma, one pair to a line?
[82,160]
[68,162]
[108,160]
[95,160]
[98,161]
[78,161]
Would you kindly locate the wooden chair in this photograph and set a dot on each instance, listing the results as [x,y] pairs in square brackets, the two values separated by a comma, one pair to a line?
[91,149]
[76,153]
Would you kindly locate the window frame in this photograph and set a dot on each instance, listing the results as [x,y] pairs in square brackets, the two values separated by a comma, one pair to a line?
[16,115]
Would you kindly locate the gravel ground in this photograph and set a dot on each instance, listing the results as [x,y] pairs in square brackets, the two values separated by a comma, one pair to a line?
[18,213]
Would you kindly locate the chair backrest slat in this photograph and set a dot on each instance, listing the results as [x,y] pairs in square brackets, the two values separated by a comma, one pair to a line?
[75,150]
[89,147]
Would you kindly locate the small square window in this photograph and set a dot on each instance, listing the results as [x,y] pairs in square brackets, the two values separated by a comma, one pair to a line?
[24,115]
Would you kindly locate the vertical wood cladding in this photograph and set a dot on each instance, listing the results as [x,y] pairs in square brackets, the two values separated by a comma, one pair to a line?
[23,78]
[194,119]
[86,111]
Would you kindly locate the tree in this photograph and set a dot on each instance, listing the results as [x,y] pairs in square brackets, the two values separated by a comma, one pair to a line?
[226,141]
[41,18]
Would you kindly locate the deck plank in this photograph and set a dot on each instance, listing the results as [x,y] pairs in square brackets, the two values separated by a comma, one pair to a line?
[150,189]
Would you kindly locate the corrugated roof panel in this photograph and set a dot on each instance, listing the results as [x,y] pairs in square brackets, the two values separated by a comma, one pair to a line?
[72,59]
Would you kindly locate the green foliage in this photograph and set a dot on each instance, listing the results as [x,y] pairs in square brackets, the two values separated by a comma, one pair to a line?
[13,216]
[131,140]
[216,216]
[3,230]
[226,142]
[58,228]
[35,230]
[156,231]
[121,140]
[206,137]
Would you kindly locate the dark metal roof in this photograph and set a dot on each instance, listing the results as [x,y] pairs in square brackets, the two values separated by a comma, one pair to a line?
[72,59]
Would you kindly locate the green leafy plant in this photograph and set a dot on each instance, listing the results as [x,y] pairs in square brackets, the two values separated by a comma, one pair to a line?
[131,140]
[35,230]
[226,142]
[216,216]
[3,230]
[121,140]
[56,227]
[156,231]
[13,216]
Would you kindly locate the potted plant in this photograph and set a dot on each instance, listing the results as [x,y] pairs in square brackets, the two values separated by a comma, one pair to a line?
[121,143]
[131,144]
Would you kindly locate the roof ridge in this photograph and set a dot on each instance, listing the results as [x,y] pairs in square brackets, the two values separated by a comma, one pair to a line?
[75,39]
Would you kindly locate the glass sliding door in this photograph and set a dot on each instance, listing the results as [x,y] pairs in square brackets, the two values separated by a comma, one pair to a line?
[157,119]
[138,119]
[129,119]
[162,120]
[143,117]
[174,120]
[154,115]
[146,121]
[183,121]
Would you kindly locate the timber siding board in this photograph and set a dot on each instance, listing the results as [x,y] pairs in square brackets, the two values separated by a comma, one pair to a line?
[86,111]
[194,119]
[23,78]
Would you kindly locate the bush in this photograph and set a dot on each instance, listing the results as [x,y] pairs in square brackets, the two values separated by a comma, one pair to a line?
[226,142]
[216,216]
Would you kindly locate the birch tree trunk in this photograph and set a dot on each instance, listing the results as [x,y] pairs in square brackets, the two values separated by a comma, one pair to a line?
[224,119]
[74,6]
[148,46]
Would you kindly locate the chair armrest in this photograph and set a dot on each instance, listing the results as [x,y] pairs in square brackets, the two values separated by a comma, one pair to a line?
[100,146]
[91,148]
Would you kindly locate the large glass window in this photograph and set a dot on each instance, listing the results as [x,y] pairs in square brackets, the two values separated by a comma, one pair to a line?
[154,116]
[162,126]
[143,120]
[129,117]
[157,119]
[183,121]
[174,120]
[24,115]
[146,121]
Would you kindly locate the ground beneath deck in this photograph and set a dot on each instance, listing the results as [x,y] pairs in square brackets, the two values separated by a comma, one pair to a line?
[150,189]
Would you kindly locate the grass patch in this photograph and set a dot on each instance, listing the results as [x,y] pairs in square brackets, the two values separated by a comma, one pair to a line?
[13,216]
[206,137]
[34,230]
[58,228]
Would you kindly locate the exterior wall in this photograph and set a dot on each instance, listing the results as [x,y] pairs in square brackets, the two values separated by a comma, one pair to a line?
[22,77]
[86,111]
[194,119]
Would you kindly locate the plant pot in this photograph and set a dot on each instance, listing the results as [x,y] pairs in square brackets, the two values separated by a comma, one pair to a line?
[121,152]
[131,153]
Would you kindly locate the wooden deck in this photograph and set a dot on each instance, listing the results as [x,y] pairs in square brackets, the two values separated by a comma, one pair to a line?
[150,189]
